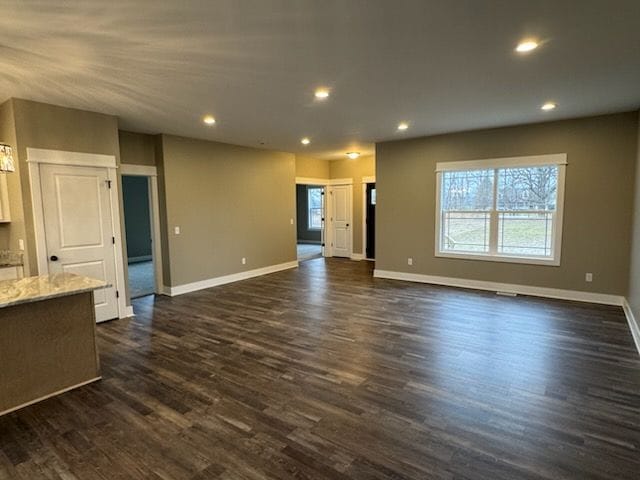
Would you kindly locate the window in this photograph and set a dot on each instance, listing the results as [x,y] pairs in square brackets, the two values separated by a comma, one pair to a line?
[503,210]
[314,202]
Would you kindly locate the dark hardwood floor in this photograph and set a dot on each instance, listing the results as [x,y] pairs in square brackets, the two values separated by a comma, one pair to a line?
[326,373]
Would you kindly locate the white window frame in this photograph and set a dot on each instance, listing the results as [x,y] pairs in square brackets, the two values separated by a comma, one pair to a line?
[558,159]
[309,226]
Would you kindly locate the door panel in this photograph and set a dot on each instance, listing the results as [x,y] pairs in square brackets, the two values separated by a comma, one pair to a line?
[341,220]
[78,228]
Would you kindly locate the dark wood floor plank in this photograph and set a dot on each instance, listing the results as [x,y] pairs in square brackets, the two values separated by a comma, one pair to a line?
[324,372]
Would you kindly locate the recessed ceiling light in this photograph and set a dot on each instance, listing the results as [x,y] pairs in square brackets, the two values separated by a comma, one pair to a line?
[322,93]
[305,141]
[526,46]
[403,126]
[353,155]
[548,106]
[209,119]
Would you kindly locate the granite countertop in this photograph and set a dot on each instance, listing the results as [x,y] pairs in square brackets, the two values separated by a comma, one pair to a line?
[44,287]
[10,259]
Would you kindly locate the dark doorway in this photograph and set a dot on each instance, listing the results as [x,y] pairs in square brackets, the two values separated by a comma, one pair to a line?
[137,219]
[371,221]
[310,224]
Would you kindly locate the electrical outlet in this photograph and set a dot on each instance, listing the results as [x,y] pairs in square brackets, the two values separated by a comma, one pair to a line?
[176,230]
[292,221]
[588,277]
[244,261]
[409,261]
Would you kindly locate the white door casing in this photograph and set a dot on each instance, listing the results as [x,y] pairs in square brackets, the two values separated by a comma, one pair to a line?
[78,228]
[341,221]
[37,158]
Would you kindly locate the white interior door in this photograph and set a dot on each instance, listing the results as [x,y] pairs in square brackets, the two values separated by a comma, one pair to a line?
[341,220]
[78,228]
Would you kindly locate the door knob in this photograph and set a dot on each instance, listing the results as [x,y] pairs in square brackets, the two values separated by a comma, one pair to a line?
[53,258]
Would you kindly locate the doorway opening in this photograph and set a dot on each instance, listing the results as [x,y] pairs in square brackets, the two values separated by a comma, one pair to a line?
[370,221]
[310,221]
[136,193]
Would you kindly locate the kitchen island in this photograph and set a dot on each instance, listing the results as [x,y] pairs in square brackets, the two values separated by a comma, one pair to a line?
[47,337]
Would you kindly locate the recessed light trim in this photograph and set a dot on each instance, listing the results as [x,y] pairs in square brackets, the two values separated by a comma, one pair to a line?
[527,46]
[322,93]
[353,155]
[403,126]
[548,106]
[305,141]
[209,119]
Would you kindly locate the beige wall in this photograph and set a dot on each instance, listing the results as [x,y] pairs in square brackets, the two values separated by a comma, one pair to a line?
[634,277]
[229,202]
[601,153]
[137,148]
[311,168]
[355,169]
[40,125]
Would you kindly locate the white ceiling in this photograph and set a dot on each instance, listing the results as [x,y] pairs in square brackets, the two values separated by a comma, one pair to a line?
[444,65]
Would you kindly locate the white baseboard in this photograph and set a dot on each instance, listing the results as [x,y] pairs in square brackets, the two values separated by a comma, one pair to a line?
[633,323]
[144,258]
[357,256]
[129,311]
[234,277]
[575,295]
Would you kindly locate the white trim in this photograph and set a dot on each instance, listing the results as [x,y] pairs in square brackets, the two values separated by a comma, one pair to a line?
[492,255]
[36,157]
[234,277]
[61,157]
[114,196]
[312,181]
[341,181]
[492,163]
[357,256]
[633,323]
[138,170]
[56,393]
[365,181]
[38,218]
[575,295]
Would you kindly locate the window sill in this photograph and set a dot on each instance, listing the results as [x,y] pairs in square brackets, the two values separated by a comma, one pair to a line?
[550,262]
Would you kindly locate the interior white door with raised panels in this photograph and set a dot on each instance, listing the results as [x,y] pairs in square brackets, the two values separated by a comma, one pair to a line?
[78,228]
[341,220]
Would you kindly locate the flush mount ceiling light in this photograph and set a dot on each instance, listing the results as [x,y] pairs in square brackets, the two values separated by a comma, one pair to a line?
[548,106]
[353,155]
[322,93]
[305,141]
[403,126]
[6,158]
[209,119]
[527,46]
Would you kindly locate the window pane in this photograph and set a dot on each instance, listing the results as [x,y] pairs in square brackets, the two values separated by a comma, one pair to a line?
[468,191]
[315,218]
[525,233]
[314,195]
[530,188]
[465,232]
